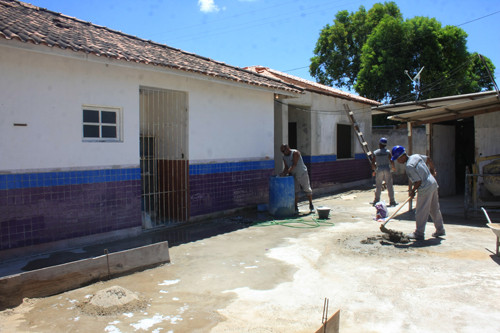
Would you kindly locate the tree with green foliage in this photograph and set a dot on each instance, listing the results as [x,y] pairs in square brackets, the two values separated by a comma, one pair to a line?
[377,54]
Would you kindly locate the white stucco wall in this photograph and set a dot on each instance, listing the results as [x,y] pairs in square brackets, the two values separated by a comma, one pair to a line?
[326,123]
[325,112]
[46,91]
[230,123]
[400,137]
[443,156]
[487,132]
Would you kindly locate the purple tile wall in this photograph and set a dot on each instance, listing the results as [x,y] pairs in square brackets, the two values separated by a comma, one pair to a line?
[37,215]
[218,191]
[326,174]
[227,190]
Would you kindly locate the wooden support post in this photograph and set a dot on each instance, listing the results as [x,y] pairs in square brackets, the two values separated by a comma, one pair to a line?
[332,325]
[410,152]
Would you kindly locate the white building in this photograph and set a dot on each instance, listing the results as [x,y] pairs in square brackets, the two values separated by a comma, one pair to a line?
[317,124]
[89,114]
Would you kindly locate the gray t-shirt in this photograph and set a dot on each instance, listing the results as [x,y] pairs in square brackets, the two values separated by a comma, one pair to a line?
[417,170]
[300,169]
[382,159]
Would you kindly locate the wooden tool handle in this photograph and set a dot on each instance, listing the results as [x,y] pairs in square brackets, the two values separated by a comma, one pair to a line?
[397,210]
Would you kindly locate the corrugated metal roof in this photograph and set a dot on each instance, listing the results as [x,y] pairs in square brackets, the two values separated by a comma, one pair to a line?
[30,24]
[442,108]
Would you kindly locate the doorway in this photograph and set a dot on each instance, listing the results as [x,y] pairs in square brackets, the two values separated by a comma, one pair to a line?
[292,135]
[464,150]
[344,141]
[163,157]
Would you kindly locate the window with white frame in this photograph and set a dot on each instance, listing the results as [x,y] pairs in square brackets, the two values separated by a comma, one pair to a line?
[101,124]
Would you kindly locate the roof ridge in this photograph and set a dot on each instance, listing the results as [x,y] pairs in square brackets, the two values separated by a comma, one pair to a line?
[320,85]
[195,64]
[28,5]
[330,90]
[31,6]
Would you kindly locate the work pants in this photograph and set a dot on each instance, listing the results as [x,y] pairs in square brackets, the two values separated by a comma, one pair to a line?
[380,176]
[428,204]
[302,181]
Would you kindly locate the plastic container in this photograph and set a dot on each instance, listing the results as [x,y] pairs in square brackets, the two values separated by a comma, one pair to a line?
[281,196]
[323,212]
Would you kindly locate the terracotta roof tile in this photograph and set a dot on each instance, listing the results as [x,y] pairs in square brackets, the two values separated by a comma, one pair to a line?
[30,24]
[310,85]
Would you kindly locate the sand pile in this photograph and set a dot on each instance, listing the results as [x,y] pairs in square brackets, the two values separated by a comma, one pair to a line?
[113,300]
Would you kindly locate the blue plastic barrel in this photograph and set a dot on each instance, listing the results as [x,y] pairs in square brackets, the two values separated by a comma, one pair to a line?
[281,196]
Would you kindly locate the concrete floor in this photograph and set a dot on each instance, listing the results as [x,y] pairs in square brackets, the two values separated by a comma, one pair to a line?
[275,278]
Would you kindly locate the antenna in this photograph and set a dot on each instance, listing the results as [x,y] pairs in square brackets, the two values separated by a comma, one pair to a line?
[416,81]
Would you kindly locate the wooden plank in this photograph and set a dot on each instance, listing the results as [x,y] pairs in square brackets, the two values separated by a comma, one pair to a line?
[332,325]
[60,278]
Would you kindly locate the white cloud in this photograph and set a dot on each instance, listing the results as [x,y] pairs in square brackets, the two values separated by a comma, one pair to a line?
[208,6]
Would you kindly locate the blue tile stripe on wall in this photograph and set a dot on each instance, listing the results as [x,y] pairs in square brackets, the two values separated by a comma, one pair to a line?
[329,158]
[211,168]
[361,156]
[58,178]
[319,159]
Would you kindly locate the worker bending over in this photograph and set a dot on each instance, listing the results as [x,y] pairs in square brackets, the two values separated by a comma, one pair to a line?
[421,171]
[294,166]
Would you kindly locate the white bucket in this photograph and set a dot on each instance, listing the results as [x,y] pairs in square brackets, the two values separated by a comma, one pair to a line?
[323,212]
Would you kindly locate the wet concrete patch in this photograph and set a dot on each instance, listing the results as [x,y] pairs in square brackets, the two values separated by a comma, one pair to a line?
[392,236]
[395,236]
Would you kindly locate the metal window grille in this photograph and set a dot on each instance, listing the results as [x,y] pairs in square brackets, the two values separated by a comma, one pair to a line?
[163,155]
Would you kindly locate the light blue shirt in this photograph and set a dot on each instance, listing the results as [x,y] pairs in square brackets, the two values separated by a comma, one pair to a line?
[417,170]
[382,159]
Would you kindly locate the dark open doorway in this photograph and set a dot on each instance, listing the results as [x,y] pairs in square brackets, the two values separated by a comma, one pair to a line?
[344,141]
[292,135]
[464,150]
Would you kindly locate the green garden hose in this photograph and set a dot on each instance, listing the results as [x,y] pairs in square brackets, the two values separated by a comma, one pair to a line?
[295,223]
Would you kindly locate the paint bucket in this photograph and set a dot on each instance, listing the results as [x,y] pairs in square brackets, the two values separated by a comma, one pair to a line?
[323,212]
[281,196]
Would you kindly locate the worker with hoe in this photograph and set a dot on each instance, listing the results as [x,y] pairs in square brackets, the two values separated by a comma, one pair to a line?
[382,164]
[421,171]
[294,166]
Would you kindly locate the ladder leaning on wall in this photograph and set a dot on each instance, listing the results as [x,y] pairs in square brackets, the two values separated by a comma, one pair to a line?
[359,134]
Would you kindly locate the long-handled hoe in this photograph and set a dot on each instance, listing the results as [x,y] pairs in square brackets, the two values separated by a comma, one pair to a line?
[395,236]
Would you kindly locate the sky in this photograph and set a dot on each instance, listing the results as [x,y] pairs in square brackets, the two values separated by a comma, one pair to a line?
[279,34]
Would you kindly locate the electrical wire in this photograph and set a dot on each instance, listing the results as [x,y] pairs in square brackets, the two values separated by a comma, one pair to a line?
[432,85]
[271,19]
[327,112]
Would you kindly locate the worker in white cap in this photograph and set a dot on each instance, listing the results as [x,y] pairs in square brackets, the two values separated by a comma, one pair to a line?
[382,165]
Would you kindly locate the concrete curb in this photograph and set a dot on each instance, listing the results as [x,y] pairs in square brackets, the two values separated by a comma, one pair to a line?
[56,279]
